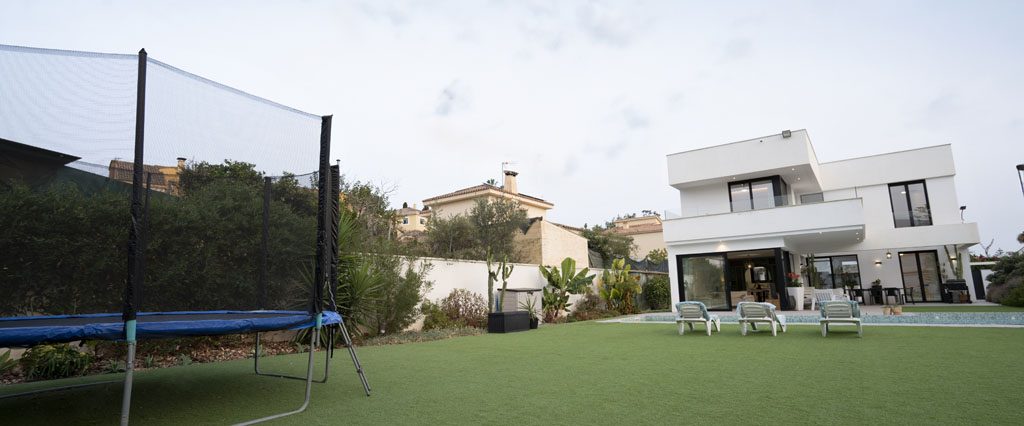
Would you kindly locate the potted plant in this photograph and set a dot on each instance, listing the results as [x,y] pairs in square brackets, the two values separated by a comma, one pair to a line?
[530,306]
[795,288]
[497,320]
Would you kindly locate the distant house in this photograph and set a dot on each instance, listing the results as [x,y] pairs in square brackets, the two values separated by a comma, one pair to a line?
[645,231]
[463,200]
[412,219]
[544,242]
[163,178]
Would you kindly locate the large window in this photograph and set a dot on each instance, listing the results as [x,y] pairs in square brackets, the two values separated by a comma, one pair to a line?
[757,194]
[702,278]
[910,204]
[837,271]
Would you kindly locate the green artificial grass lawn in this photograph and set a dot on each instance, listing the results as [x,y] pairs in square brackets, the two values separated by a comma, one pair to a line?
[962,309]
[590,373]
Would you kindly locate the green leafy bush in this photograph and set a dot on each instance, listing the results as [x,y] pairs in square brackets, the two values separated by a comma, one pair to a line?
[1007,281]
[434,318]
[657,293]
[465,307]
[590,307]
[6,363]
[619,289]
[53,362]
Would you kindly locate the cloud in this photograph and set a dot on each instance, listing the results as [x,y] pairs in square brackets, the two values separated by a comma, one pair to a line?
[606,25]
[453,98]
[737,48]
[542,26]
[385,11]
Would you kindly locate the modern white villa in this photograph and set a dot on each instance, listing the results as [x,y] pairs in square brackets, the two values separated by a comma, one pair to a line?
[755,211]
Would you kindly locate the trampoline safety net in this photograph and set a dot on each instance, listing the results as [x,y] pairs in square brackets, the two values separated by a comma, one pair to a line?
[227,210]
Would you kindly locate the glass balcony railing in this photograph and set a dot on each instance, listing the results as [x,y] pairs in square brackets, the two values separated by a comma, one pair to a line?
[759,203]
[905,219]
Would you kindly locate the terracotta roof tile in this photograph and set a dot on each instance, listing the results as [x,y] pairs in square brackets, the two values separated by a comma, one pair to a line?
[482,187]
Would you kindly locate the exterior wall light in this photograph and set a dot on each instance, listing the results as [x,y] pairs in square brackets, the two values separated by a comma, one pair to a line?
[878,262]
[888,255]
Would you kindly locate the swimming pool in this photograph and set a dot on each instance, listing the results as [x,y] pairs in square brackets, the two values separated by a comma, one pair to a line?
[912,318]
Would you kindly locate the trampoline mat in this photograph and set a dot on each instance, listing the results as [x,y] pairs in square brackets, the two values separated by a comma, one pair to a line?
[30,331]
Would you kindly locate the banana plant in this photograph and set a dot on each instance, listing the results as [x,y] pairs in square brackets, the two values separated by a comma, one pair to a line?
[562,283]
[618,288]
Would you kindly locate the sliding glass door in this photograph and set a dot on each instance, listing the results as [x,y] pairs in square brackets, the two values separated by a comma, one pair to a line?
[921,277]
[703,279]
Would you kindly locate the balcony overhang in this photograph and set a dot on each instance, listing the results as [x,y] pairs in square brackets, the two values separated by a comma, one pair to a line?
[834,221]
[791,157]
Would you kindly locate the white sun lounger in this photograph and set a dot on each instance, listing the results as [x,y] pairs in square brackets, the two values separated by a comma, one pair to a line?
[696,312]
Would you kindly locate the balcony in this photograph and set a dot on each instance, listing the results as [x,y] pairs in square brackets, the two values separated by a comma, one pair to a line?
[778,221]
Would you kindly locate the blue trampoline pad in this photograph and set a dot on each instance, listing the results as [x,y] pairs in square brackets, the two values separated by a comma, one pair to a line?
[30,331]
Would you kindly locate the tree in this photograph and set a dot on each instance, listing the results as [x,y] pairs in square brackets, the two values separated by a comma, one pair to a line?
[608,245]
[451,238]
[496,223]
[657,256]
[197,175]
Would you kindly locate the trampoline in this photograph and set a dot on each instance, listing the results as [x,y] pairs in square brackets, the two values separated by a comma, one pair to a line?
[277,270]
[31,331]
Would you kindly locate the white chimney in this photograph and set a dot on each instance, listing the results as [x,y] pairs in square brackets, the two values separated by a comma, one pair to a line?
[510,182]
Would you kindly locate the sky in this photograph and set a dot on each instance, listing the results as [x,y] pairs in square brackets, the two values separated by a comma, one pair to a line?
[586,98]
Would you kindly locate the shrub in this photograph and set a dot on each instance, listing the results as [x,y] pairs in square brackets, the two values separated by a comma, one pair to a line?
[465,307]
[1015,296]
[433,317]
[592,315]
[53,362]
[461,308]
[656,293]
[589,307]
[6,363]
[422,336]
[1007,277]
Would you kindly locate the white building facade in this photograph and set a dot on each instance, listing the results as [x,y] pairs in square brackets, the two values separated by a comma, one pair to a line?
[756,212]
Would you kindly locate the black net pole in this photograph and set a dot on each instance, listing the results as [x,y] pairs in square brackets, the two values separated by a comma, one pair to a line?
[332,279]
[322,217]
[135,227]
[264,245]
[143,240]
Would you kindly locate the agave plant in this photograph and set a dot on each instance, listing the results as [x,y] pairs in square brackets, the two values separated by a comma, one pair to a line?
[562,283]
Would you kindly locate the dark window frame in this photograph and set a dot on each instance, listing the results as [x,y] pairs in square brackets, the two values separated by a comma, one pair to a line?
[910,207]
[920,273]
[779,189]
[832,269]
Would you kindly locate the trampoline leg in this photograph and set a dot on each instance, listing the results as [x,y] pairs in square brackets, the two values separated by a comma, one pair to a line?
[126,399]
[256,365]
[314,341]
[355,358]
